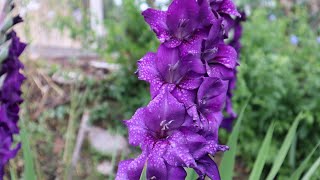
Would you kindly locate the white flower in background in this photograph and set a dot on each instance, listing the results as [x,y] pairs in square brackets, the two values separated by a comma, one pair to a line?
[31,6]
[51,14]
[144,6]
[77,14]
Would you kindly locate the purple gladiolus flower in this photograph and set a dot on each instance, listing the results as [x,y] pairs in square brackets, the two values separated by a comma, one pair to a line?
[190,76]
[10,97]
[167,68]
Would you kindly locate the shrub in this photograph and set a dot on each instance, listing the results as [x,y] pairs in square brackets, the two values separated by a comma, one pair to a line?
[283,78]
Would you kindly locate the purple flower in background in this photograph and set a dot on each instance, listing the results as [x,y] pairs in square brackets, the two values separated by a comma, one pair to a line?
[294,39]
[190,76]
[272,17]
[10,97]
[318,39]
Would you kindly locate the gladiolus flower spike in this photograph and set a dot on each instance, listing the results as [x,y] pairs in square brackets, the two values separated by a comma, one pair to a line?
[10,86]
[189,78]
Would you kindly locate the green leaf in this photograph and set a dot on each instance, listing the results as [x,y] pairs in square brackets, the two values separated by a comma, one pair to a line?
[228,160]
[144,173]
[191,174]
[284,148]
[261,159]
[312,170]
[13,174]
[29,171]
[298,172]
[4,50]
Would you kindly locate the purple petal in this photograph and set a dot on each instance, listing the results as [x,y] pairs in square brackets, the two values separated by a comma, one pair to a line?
[176,173]
[156,168]
[187,97]
[193,45]
[191,81]
[122,173]
[178,152]
[182,18]
[228,7]
[168,63]
[209,89]
[136,128]
[147,69]
[209,167]
[215,34]
[164,113]
[155,88]
[157,21]
[224,6]
[227,24]
[220,71]
[194,140]
[226,55]
[135,168]
[173,42]
[205,13]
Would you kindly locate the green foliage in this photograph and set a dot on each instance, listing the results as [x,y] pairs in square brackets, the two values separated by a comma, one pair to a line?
[229,158]
[29,171]
[261,158]
[283,79]
[283,151]
[227,165]
[303,166]
[130,38]
[191,174]
[313,169]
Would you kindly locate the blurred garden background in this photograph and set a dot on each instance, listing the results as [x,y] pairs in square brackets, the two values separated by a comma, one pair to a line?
[81,83]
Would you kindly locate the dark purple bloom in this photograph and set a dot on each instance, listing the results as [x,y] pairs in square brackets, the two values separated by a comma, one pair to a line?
[154,128]
[207,167]
[220,59]
[224,7]
[6,150]
[180,23]
[10,97]
[207,112]
[168,68]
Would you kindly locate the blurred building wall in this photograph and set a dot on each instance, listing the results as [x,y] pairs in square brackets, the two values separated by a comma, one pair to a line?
[37,29]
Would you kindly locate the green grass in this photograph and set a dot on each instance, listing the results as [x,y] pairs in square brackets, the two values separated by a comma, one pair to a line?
[229,157]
